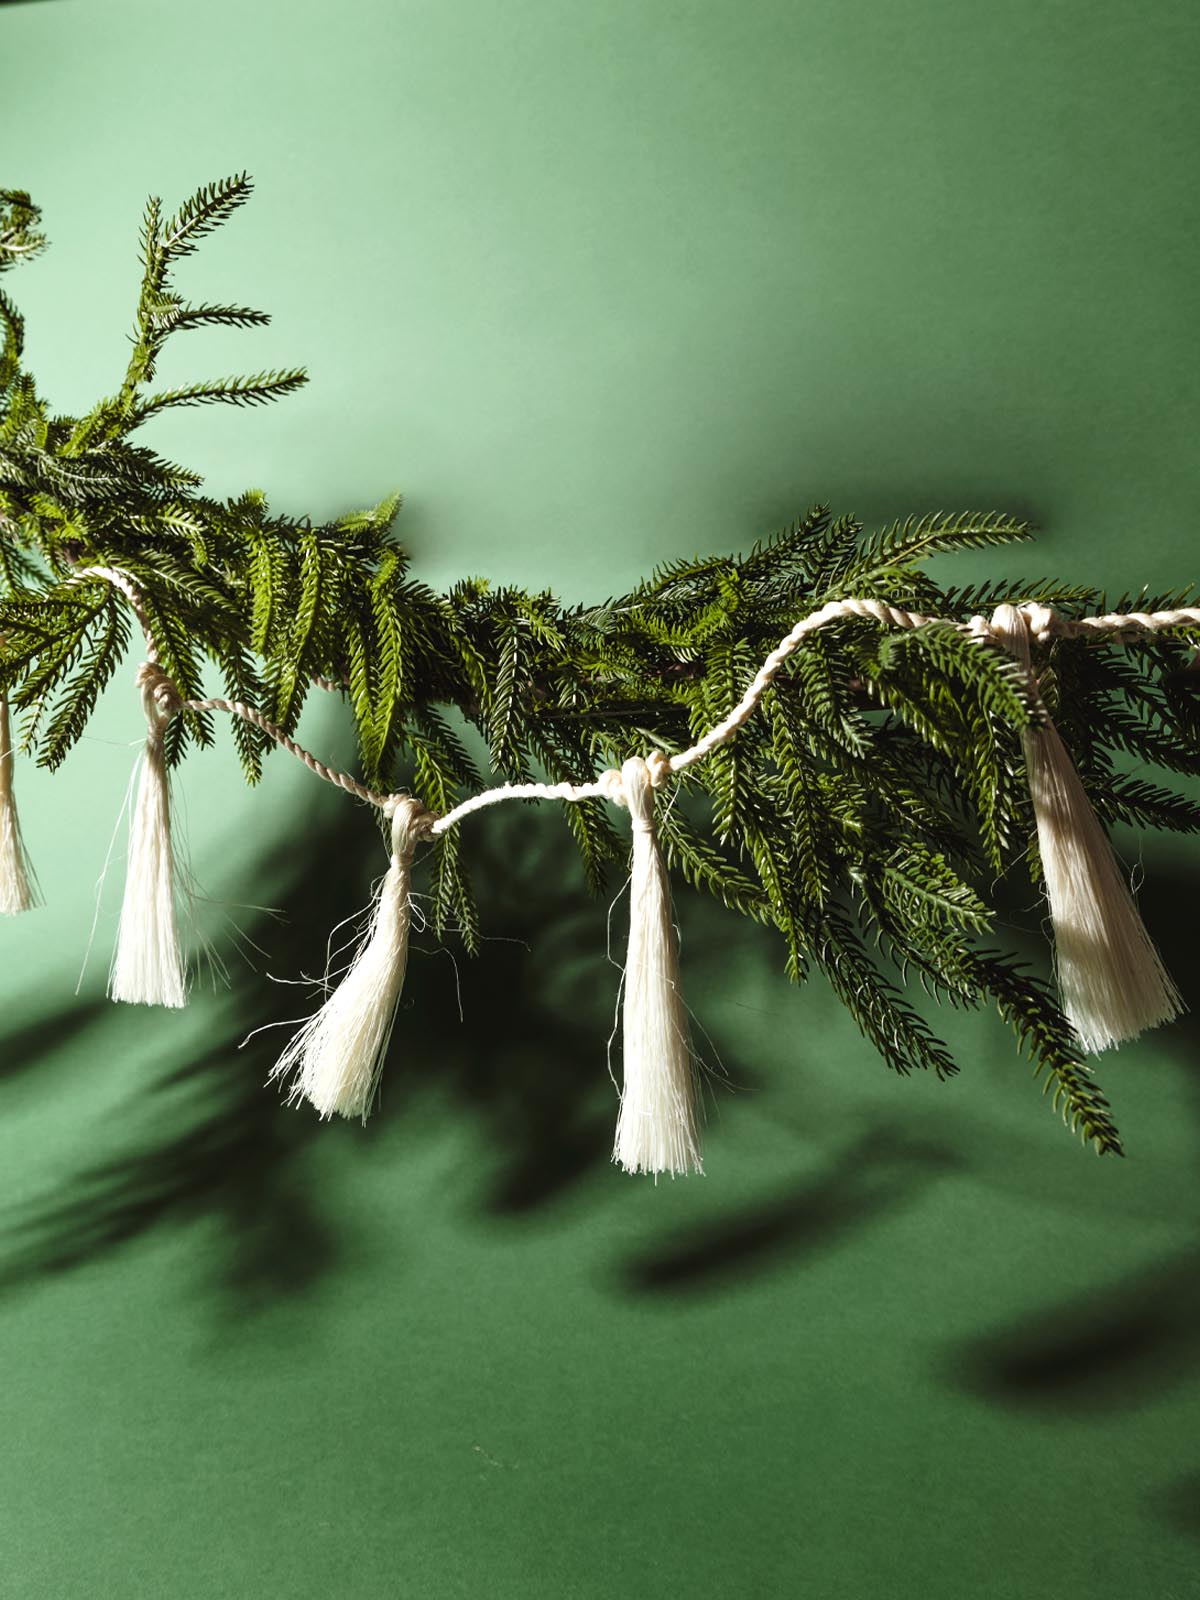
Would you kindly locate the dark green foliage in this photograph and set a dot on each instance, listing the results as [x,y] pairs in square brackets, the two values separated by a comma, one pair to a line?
[864,813]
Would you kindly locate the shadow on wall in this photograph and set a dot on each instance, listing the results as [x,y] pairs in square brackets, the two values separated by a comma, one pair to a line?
[889,1161]
[871,1177]
[205,1139]
[1137,1339]
[201,1139]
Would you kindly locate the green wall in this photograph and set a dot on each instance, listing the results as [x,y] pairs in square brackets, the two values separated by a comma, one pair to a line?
[597,285]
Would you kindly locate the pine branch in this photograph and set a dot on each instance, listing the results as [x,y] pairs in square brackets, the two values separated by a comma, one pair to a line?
[258,389]
[207,209]
[864,813]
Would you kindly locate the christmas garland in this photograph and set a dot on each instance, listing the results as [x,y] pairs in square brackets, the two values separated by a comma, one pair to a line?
[872,750]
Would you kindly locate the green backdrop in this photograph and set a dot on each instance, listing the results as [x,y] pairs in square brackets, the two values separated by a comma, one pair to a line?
[597,285]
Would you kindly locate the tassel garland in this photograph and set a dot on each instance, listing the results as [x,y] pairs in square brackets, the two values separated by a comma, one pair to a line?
[1112,981]
[335,1061]
[1110,975]
[18,886]
[148,968]
[656,1126]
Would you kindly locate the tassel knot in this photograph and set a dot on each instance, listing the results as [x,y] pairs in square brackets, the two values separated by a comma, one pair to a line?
[1111,978]
[410,821]
[161,699]
[658,768]
[1040,620]
[655,770]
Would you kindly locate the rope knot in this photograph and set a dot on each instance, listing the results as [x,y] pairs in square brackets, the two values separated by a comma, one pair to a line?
[640,776]
[980,627]
[1041,620]
[161,698]
[637,788]
[411,822]
[658,768]
[1035,621]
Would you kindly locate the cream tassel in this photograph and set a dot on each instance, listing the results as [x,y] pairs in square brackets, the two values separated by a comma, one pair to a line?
[148,968]
[656,1126]
[18,886]
[336,1059]
[1110,975]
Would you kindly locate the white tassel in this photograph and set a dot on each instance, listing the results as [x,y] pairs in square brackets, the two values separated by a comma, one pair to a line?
[656,1127]
[1110,975]
[148,968]
[18,885]
[336,1059]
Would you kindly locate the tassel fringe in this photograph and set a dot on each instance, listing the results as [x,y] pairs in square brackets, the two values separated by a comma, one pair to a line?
[1110,975]
[148,967]
[336,1059]
[18,884]
[657,1123]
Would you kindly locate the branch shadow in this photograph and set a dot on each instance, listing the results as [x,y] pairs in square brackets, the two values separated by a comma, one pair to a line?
[1114,1349]
[200,1138]
[1178,1505]
[533,1058]
[28,1044]
[515,1038]
[881,1170]
[204,1138]
[1137,1339]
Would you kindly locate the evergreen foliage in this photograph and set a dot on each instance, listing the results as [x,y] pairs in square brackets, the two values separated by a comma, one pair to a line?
[864,813]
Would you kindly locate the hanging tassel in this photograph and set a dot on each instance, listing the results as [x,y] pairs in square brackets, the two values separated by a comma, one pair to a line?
[18,885]
[1110,975]
[148,968]
[656,1126]
[336,1059]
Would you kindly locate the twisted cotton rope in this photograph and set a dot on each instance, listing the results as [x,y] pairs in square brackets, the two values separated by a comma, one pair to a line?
[341,780]
[1044,624]
[124,583]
